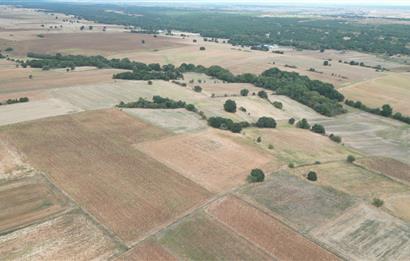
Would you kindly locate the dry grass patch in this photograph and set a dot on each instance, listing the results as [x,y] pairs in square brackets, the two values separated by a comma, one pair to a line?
[297,146]
[24,201]
[214,161]
[266,232]
[90,156]
[201,238]
[68,237]
[389,167]
[148,251]
[299,203]
[365,233]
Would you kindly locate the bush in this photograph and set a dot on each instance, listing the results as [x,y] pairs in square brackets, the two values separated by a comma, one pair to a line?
[230,106]
[8,49]
[256,175]
[197,88]
[291,165]
[377,202]
[190,107]
[202,48]
[270,147]
[226,124]
[318,128]
[266,122]
[149,82]
[235,128]
[303,124]
[278,105]
[263,94]
[259,139]
[23,99]
[350,158]
[335,138]
[312,176]
[244,92]
[291,121]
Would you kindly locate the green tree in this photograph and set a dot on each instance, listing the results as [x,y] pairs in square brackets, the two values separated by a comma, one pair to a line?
[335,138]
[312,176]
[291,121]
[256,175]
[318,128]
[377,202]
[263,94]
[266,122]
[197,88]
[278,105]
[350,158]
[244,92]
[202,48]
[303,124]
[230,106]
[387,110]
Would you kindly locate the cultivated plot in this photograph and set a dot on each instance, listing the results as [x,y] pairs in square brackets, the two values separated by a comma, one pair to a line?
[365,233]
[297,202]
[387,166]
[69,237]
[91,157]
[214,161]
[147,250]
[265,231]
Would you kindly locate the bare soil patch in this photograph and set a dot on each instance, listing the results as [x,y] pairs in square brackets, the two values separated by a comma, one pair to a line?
[90,156]
[148,251]
[216,162]
[266,232]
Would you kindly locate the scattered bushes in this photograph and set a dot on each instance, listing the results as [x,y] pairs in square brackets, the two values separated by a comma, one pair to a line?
[230,106]
[225,124]
[266,122]
[256,175]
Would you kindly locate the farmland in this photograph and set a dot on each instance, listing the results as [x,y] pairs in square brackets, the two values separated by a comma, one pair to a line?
[387,166]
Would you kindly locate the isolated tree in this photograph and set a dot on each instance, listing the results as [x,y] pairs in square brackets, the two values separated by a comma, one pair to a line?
[230,106]
[278,105]
[318,128]
[259,139]
[291,121]
[377,202]
[326,63]
[263,94]
[30,76]
[197,88]
[350,158]
[303,124]
[194,40]
[335,138]
[266,122]
[202,48]
[312,176]
[244,92]
[256,175]
[149,82]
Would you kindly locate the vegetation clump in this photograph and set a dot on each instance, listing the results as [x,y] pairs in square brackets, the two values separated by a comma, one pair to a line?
[277,105]
[226,124]
[266,122]
[244,92]
[350,158]
[377,202]
[312,176]
[335,138]
[256,175]
[230,106]
[13,101]
[303,124]
[291,121]
[318,128]
[157,102]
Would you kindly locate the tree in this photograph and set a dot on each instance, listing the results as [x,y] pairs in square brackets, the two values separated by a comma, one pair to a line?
[259,139]
[377,202]
[256,175]
[244,92]
[326,63]
[266,122]
[230,106]
[143,41]
[30,76]
[318,128]
[335,138]
[263,94]
[350,158]
[278,105]
[235,128]
[149,82]
[197,88]
[312,176]
[190,107]
[202,48]
[194,40]
[387,110]
[291,121]
[303,124]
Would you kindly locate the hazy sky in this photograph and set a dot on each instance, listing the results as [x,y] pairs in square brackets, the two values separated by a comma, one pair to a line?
[341,2]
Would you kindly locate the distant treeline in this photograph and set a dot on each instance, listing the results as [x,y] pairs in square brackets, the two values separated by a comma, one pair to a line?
[386,111]
[247,28]
[320,96]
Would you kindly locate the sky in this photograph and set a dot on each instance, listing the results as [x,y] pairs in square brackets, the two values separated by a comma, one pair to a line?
[327,2]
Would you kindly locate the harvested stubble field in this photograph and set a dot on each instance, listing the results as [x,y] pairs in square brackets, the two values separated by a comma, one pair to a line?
[209,158]
[371,134]
[97,43]
[98,96]
[71,236]
[299,203]
[10,160]
[27,200]
[199,237]
[366,233]
[265,231]
[387,166]
[393,89]
[147,251]
[298,146]
[91,157]
[175,120]
[361,183]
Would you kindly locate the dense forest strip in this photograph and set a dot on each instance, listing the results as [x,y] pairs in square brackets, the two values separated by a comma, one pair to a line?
[247,29]
[320,96]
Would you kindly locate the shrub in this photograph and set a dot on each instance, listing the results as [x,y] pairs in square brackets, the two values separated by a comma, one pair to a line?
[242,109]
[270,147]
[350,158]
[303,124]
[236,128]
[263,94]
[291,121]
[335,138]
[230,106]
[244,92]
[8,49]
[312,176]
[197,88]
[266,122]
[291,165]
[258,139]
[317,162]
[278,105]
[149,82]
[318,128]
[23,99]
[377,202]
[190,107]
[202,48]
[256,175]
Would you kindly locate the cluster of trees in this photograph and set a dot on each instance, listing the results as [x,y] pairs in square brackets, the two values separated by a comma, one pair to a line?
[157,102]
[386,110]
[227,124]
[19,100]
[248,29]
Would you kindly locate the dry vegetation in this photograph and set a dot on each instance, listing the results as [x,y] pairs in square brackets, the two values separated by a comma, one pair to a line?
[148,251]
[96,161]
[387,166]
